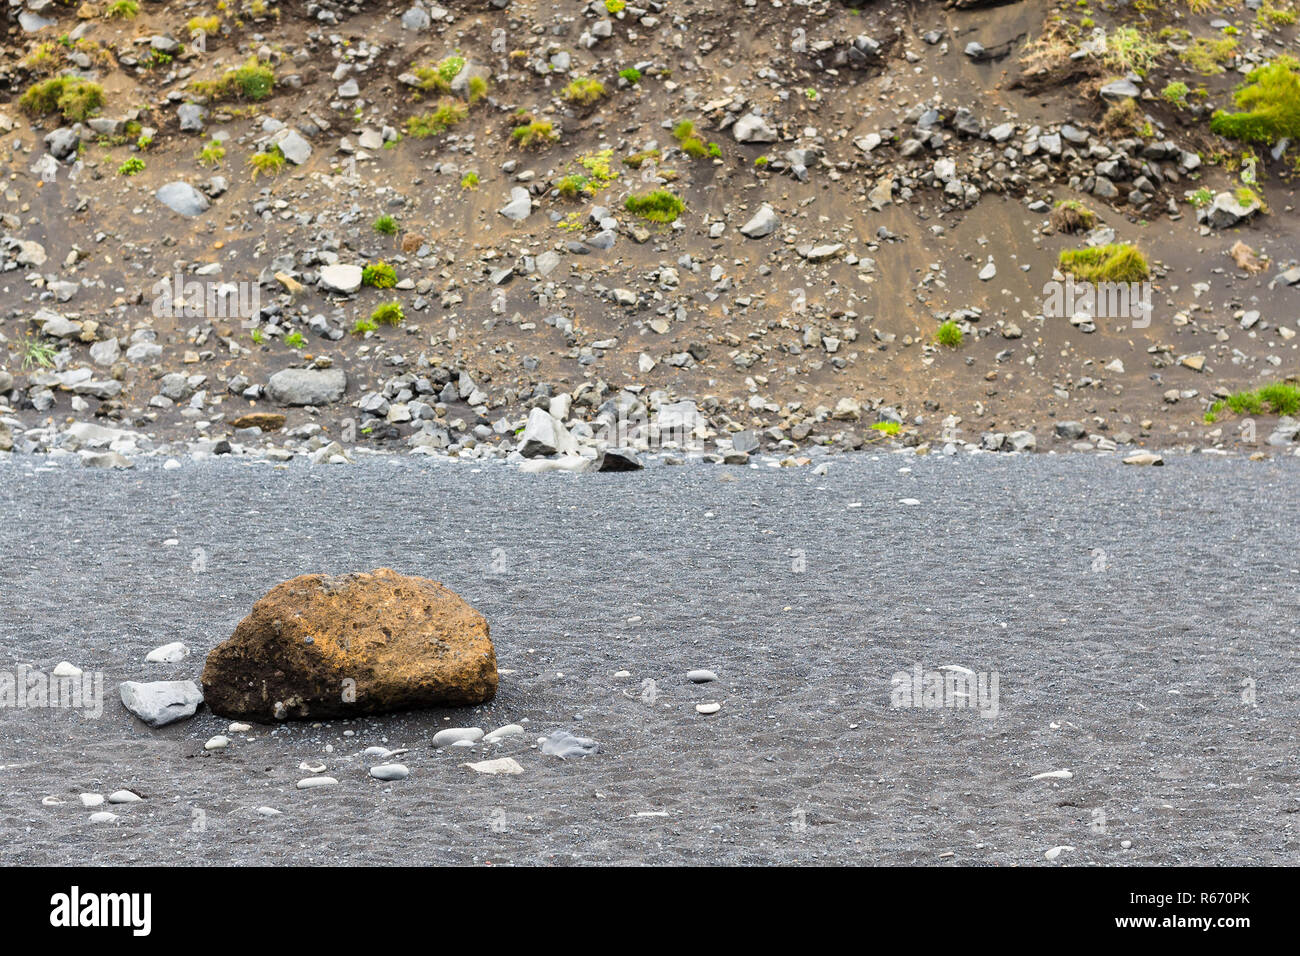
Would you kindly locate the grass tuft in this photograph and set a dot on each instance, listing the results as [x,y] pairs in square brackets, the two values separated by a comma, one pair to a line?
[658,205]
[1116,262]
[1270,101]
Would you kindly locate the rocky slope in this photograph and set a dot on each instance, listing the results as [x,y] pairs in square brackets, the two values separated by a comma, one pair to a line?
[574,267]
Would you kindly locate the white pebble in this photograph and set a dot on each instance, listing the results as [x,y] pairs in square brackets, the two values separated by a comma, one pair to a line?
[92,799]
[219,742]
[311,767]
[268,812]
[701,676]
[390,771]
[64,669]
[124,796]
[311,783]
[238,728]
[509,730]
[172,653]
[1053,775]
[51,802]
[445,738]
[707,708]
[1056,851]
[103,816]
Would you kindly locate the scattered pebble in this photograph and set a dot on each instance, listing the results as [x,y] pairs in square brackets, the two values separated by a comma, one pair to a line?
[390,771]
[701,676]
[219,742]
[707,708]
[311,783]
[445,738]
[502,765]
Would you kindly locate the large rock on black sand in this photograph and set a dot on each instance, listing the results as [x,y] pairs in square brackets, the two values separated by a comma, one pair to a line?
[307,386]
[161,702]
[318,646]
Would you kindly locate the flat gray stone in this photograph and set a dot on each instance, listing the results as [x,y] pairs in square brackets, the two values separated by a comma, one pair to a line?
[161,702]
[307,386]
[183,198]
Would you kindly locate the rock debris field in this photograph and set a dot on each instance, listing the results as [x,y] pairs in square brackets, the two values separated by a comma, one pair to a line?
[972,660]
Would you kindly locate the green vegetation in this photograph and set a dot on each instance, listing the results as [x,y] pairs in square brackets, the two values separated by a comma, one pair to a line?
[43,58]
[535,134]
[1208,56]
[295,340]
[1070,215]
[1129,50]
[132,166]
[363,326]
[37,354]
[469,181]
[208,25]
[389,313]
[70,96]
[270,162]
[615,7]
[437,79]
[636,160]
[448,113]
[893,428]
[1270,100]
[658,205]
[212,154]
[572,186]
[252,81]
[380,275]
[1175,93]
[1272,15]
[122,10]
[1278,398]
[583,91]
[385,225]
[692,145]
[949,334]
[477,87]
[631,74]
[1116,262]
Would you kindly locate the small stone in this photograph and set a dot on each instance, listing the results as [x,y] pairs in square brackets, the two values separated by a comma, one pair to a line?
[445,738]
[92,799]
[562,744]
[1144,458]
[172,653]
[103,816]
[502,765]
[124,796]
[1053,775]
[313,783]
[390,771]
[701,676]
[707,708]
[219,742]
[64,669]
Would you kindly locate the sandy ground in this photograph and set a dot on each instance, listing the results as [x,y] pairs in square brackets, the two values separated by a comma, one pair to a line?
[1120,608]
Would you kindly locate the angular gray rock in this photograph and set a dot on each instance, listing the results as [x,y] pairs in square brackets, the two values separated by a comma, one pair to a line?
[617,459]
[182,198]
[161,702]
[519,206]
[544,436]
[762,223]
[307,386]
[752,128]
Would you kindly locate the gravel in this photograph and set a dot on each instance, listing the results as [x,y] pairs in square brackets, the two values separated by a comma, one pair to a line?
[1128,614]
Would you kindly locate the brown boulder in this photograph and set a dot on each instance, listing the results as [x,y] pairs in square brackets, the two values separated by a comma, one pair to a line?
[267,421]
[320,646]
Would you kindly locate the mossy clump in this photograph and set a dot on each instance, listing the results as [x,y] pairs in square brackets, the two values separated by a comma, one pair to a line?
[447,114]
[637,160]
[1070,215]
[469,181]
[270,162]
[1207,56]
[71,97]
[122,10]
[1175,93]
[212,154]
[949,334]
[254,81]
[1114,262]
[583,91]
[132,166]
[438,78]
[388,313]
[208,26]
[573,186]
[1270,100]
[1278,398]
[631,74]
[692,145]
[535,134]
[380,275]
[385,225]
[659,205]
[362,326]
